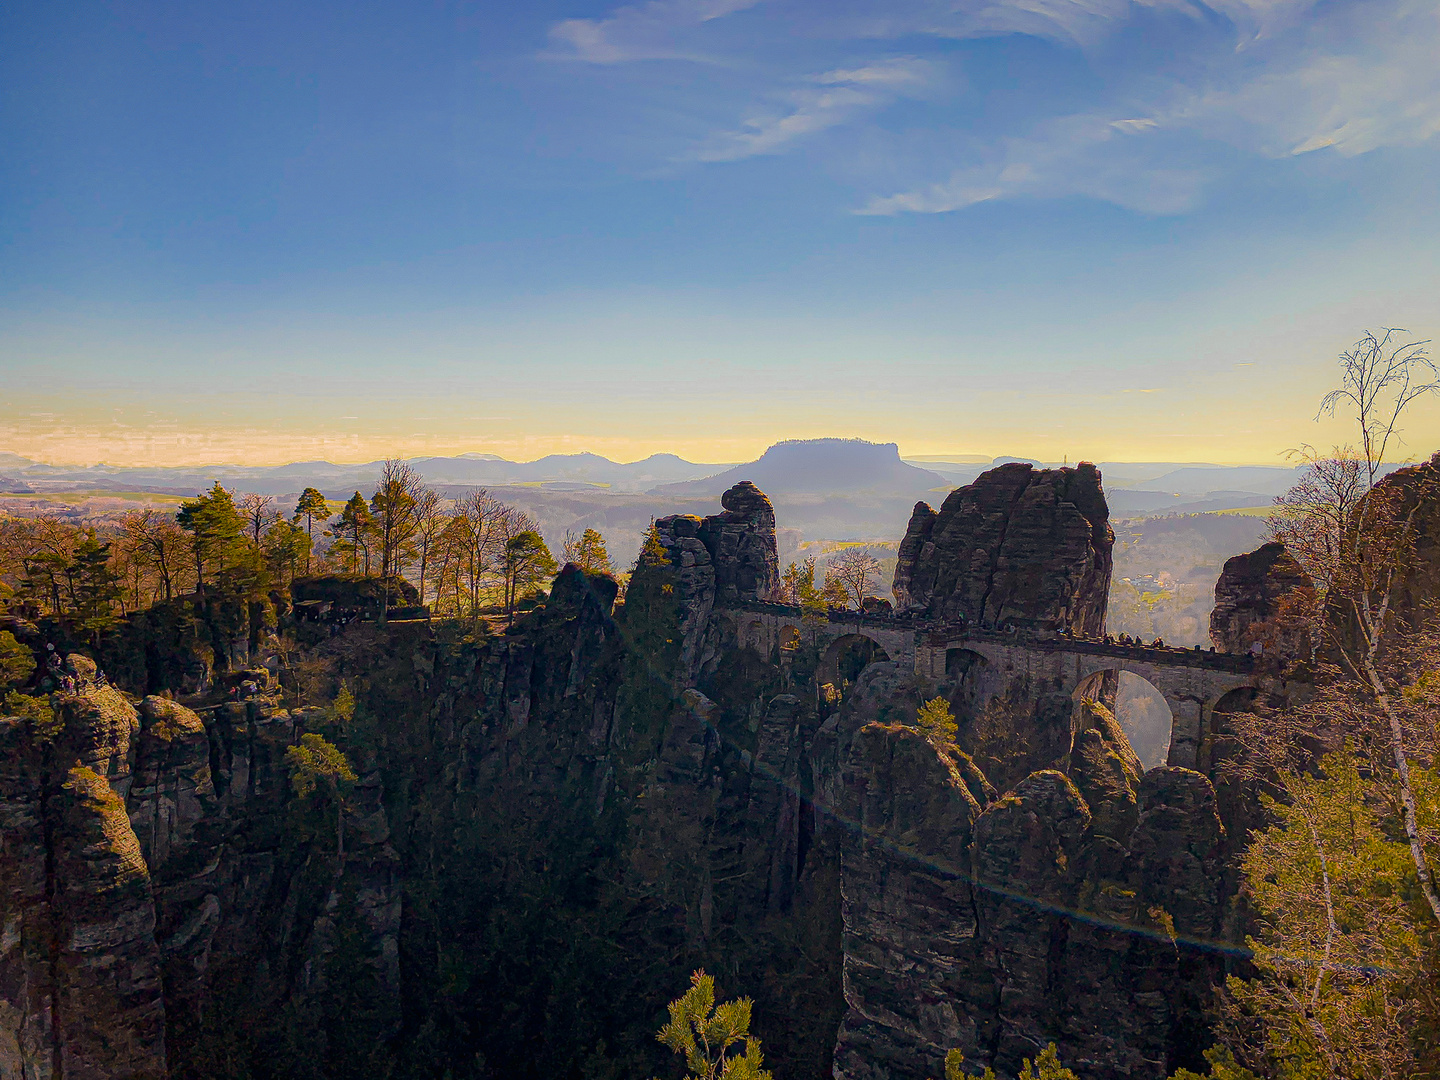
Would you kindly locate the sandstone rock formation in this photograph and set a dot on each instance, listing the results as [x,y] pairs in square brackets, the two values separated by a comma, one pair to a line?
[998,924]
[910,917]
[80,967]
[724,558]
[552,826]
[1022,546]
[1253,590]
[741,541]
[693,566]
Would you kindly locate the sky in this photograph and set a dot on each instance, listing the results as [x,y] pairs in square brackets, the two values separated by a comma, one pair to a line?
[261,231]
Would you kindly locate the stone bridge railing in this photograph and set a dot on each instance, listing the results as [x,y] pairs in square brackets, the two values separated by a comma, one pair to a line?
[937,634]
[1192,681]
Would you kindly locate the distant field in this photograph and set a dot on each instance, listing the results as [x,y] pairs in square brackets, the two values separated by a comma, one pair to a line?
[1249,511]
[80,498]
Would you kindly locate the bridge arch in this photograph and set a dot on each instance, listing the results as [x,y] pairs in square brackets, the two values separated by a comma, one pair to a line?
[1217,740]
[970,679]
[1141,708]
[846,656]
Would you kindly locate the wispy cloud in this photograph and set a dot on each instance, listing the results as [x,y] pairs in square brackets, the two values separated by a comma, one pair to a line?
[832,98]
[1078,155]
[1269,78]
[1352,86]
[652,31]
[1362,83]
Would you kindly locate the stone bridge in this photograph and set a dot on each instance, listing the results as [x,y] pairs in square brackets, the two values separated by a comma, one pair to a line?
[1194,682]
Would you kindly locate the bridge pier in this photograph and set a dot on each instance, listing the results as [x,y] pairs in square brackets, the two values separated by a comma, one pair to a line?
[1189,721]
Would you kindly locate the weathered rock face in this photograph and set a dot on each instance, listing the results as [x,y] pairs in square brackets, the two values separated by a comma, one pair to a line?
[110,1010]
[998,924]
[27,992]
[1028,848]
[1252,592]
[694,570]
[1019,545]
[726,557]
[910,918]
[171,791]
[80,988]
[741,541]
[122,871]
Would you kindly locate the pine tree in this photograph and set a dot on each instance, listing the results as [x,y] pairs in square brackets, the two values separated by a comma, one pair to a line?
[97,587]
[17,663]
[312,507]
[528,563]
[705,1033]
[216,530]
[589,553]
[354,530]
[936,722]
[317,761]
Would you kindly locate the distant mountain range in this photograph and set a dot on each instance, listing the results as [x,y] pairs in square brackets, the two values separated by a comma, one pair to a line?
[828,473]
[559,471]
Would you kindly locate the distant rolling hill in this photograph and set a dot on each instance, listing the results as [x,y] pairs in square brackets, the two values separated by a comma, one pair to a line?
[338,481]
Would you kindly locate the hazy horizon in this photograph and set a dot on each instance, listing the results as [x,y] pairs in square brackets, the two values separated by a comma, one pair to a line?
[1119,231]
[957,458]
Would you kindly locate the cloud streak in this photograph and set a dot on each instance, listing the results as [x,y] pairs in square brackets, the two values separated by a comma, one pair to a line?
[833,98]
[653,31]
[1353,86]
[1267,78]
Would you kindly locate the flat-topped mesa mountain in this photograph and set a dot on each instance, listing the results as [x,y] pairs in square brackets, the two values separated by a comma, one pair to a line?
[821,467]
[1019,546]
[551,827]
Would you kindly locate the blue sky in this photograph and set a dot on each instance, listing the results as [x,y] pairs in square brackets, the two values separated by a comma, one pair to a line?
[1089,228]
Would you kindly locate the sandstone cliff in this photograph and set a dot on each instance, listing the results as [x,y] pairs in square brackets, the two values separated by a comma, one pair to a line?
[551,827]
[723,558]
[1251,596]
[1022,546]
[998,924]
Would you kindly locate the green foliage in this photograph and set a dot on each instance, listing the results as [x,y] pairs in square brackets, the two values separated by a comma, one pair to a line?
[955,1067]
[589,552]
[936,722]
[285,546]
[316,759]
[797,586]
[35,709]
[312,507]
[1338,945]
[704,1034]
[1223,1066]
[216,529]
[343,708]
[1046,1067]
[17,663]
[97,587]
[353,531]
[528,563]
